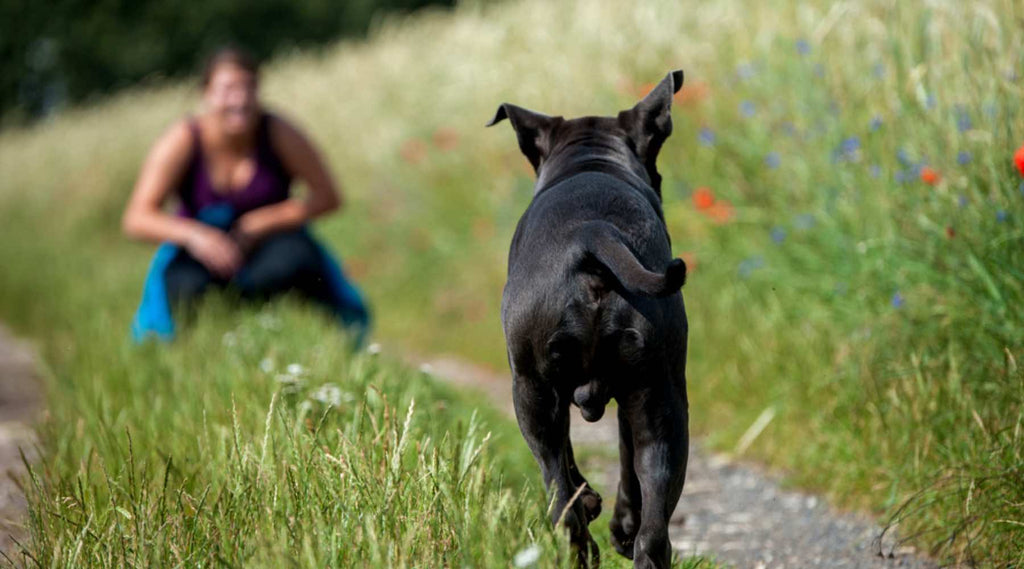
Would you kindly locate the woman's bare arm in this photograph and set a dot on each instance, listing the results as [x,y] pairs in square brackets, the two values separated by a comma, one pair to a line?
[302,161]
[144,218]
[164,166]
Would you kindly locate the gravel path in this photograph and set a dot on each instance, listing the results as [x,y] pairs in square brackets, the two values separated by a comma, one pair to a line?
[730,511]
[20,401]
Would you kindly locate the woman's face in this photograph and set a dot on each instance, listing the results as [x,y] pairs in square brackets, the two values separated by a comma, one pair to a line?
[230,97]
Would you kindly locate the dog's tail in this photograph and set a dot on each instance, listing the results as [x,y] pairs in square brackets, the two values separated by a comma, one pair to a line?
[604,243]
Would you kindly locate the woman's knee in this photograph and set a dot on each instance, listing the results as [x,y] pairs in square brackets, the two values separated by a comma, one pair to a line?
[185,281]
[280,263]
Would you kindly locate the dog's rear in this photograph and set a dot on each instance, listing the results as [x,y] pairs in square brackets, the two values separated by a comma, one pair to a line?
[591,312]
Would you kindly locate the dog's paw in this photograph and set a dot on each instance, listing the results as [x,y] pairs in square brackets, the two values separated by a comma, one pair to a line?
[591,502]
[588,554]
[623,532]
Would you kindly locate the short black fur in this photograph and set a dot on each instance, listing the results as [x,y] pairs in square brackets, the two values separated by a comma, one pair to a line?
[592,311]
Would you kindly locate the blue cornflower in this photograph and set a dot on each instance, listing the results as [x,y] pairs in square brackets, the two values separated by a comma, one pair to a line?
[961,200]
[749,265]
[706,136]
[778,234]
[930,101]
[963,120]
[1001,215]
[747,109]
[879,70]
[963,157]
[804,221]
[802,47]
[875,170]
[849,149]
[876,123]
[903,157]
[897,300]
[772,160]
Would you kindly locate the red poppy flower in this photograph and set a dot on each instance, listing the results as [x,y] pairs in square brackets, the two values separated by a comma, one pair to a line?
[950,232]
[690,94]
[446,138]
[930,176]
[690,258]
[721,211]
[645,89]
[1018,159]
[413,151]
[483,228]
[703,198]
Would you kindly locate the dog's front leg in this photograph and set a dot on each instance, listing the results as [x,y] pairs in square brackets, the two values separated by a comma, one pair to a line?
[659,422]
[543,416]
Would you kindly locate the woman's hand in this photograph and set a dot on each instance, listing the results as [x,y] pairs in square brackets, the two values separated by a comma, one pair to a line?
[252,227]
[215,250]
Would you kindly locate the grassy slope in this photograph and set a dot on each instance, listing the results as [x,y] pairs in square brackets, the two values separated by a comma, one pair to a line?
[831,296]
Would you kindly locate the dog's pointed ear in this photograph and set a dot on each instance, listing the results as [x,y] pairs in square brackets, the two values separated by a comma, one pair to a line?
[649,123]
[533,130]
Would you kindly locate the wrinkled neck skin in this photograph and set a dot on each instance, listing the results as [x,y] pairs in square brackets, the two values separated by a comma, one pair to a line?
[592,152]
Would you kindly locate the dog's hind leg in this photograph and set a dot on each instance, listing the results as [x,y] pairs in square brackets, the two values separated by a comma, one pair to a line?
[543,417]
[626,518]
[590,499]
[660,447]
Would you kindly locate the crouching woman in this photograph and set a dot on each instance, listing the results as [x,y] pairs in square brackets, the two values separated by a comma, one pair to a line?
[230,168]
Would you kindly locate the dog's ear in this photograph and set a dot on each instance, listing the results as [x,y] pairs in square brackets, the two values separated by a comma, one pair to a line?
[532,129]
[649,123]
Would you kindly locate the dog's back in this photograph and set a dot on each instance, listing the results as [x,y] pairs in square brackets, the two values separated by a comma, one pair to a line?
[565,304]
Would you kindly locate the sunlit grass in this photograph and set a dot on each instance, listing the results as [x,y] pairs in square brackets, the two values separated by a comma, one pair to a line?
[877,314]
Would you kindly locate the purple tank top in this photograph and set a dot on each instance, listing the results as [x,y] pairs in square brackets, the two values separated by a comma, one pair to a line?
[270,182]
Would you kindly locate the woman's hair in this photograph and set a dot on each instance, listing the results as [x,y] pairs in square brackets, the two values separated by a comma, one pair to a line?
[230,54]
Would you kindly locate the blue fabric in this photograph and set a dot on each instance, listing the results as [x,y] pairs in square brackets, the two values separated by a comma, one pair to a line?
[154,318]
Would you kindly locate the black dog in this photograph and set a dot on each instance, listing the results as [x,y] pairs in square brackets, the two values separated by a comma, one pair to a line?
[592,311]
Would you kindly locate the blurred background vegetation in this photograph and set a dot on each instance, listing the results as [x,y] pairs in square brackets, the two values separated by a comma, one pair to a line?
[53,54]
[840,180]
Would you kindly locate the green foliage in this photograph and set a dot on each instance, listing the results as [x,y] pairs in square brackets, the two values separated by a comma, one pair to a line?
[52,53]
[877,315]
[243,447]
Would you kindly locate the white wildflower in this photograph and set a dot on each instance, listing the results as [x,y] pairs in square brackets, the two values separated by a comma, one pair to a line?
[427,369]
[286,378]
[268,322]
[295,369]
[527,557]
[328,394]
[373,349]
[266,365]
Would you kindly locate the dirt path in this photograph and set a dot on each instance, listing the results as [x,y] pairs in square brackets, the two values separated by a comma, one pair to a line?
[20,403]
[731,511]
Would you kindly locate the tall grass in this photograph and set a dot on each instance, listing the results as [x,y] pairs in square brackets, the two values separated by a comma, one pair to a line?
[241,448]
[265,443]
[876,314]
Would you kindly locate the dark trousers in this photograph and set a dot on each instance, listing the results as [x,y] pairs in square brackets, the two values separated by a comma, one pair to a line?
[281,263]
